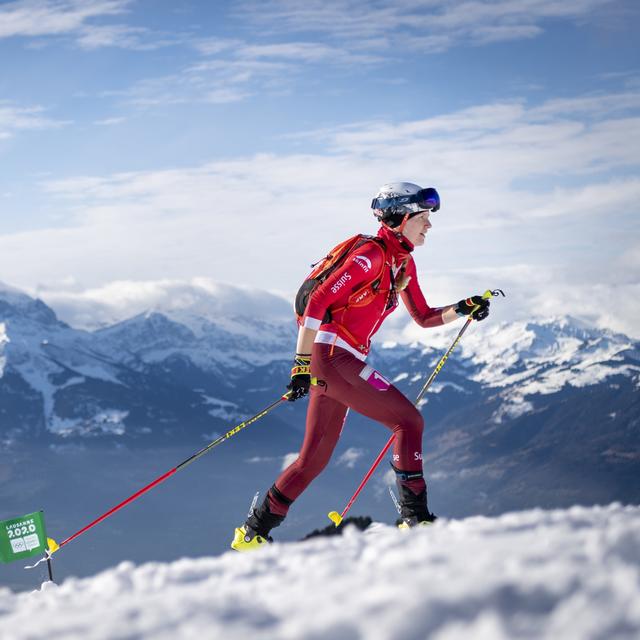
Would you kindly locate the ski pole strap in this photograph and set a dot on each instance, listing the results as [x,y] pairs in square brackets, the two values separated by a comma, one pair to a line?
[301,365]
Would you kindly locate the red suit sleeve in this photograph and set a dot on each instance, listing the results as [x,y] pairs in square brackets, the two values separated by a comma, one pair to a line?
[415,302]
[362,266]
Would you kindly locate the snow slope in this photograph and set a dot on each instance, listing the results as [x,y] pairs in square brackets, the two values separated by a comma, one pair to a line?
[570,574]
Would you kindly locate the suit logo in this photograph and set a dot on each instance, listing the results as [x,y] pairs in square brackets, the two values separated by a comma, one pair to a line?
[363,261]
[340,282]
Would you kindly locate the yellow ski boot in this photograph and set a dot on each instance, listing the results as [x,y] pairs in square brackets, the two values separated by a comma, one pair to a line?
[246,539]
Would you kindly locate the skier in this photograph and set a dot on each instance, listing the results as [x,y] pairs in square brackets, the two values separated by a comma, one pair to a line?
[333,342]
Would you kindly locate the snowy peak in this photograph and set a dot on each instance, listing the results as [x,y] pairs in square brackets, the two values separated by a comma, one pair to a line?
[150,329]
[212,345]
[512,352]
[225,315]
[515,363]
[11,294]
[536,339]
[16,306]
[526,359]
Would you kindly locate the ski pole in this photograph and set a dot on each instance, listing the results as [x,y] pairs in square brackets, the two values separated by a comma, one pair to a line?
[336,517]
[54,546]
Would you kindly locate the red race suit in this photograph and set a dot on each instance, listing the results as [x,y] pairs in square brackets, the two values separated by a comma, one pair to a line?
[359,295]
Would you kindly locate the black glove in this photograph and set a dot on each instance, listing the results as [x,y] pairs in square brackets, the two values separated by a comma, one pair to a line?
[475,306]
[300,377]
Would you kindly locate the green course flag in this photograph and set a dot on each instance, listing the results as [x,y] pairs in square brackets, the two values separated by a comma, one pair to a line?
[22,537]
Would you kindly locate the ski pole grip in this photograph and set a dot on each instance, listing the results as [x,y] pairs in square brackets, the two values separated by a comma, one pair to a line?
[493,293]
[487,295]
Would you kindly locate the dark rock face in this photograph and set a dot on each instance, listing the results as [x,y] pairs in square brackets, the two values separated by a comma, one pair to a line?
[360,522]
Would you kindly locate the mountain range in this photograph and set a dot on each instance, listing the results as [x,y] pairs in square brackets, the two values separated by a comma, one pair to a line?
[544,413]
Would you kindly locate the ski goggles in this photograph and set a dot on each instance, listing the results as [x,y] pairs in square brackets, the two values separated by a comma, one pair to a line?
[425,199]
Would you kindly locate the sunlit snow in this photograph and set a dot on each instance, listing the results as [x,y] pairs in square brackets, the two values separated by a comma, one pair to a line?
[104,421]
[570,574]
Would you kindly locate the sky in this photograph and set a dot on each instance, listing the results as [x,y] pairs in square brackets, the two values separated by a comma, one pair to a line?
[145,142]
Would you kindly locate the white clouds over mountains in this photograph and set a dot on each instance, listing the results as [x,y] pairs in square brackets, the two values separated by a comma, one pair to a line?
[528,199]
[149,165]
[198,297]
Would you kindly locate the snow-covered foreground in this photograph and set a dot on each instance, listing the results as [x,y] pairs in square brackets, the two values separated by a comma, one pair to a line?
[535,574]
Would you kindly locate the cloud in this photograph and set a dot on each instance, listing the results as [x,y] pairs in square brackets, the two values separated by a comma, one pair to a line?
[232,70]
[15,118]
[288,459]
[505,160]
[594,106]
[211,81]
[108,122]
[53,17]
[213,46]
[350,457]
[76,19]
[121,36]
[262,459]
[225,95]
[428,25]
[533,292]
[359,33]
[90,308]
[307,51]
[537,199]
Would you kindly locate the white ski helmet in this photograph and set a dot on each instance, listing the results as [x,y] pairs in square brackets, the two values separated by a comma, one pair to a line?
[397,199]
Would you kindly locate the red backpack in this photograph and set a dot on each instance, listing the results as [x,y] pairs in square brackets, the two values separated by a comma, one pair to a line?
[322,269]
